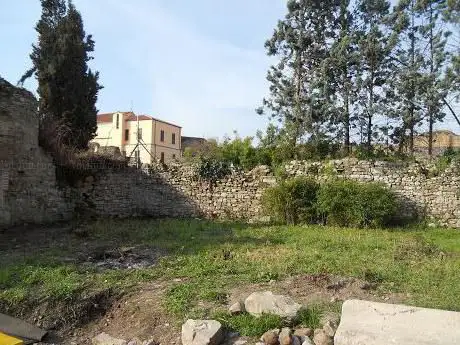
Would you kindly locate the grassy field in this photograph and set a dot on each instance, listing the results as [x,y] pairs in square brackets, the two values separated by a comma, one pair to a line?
[211,258]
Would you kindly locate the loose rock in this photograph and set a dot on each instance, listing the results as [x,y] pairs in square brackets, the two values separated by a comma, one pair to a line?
[330,328]
[202,332]
[285,337]
[321,338]
[296,340]
[236,308]
[303,332]
[106,339]
[266,302]
[307,341]
[271,337]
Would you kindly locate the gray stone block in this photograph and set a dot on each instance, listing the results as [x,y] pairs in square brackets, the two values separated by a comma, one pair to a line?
[371,323]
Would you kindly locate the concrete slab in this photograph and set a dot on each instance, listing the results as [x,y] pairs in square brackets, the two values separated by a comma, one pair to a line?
[370,323]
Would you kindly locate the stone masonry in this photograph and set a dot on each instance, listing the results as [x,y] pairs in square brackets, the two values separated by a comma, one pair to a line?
[177,191]
[28,191]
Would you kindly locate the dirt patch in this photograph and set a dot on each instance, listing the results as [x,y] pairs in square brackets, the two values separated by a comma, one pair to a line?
[319,288]
[141,314]
[123,257]
[138,315]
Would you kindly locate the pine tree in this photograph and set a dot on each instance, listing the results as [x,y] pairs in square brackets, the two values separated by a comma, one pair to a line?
[436,85]
[452,16]
[375,47]
[300,42]
[340,71]
[67,88]
[407,75]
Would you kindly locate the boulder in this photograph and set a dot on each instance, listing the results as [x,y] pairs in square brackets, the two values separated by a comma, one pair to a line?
[106,339]
[202,332]
[266,302]
[371,323]
[321,338]
[271,337]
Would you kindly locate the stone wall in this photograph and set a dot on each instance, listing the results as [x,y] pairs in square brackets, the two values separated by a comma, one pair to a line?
[28,192]
[176,191]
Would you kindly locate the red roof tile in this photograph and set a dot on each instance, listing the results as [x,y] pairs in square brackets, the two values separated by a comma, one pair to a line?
[107,117]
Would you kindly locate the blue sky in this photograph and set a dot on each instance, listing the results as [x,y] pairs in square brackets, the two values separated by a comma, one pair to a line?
[200,64]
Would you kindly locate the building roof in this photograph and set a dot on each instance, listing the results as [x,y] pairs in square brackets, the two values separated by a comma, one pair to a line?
[130,116]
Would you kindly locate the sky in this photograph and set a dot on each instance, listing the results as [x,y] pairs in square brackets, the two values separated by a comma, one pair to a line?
[200,64]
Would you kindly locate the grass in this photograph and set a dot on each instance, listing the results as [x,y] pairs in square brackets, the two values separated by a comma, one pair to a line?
[213,257]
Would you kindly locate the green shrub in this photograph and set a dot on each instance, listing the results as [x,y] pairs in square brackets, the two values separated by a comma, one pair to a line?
[449,155]
[213,170]
[350,203]
[291,201]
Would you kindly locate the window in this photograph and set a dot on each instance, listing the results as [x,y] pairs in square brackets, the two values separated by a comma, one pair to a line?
[126,134]
[162,159]
[118,121]
[162,136]
[173,139]
[139,133]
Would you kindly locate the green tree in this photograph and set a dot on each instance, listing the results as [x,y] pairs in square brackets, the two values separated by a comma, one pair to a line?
[407,78]
[437,86]
[300,42]
[375,47]
[67,87]
[340,68]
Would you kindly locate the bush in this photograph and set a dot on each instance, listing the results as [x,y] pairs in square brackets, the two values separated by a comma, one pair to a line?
[291,201]
[212,170]
[351,203]
[449,155]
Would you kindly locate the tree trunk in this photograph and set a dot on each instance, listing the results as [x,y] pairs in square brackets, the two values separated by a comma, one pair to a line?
[412,90]
[430,106]
[430,131]
[347,123]
[370,115]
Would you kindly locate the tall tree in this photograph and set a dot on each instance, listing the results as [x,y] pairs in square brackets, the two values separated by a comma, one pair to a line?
[67,87]
[406,78]
[375,47]
[436,85]
[341,67]
[300,42]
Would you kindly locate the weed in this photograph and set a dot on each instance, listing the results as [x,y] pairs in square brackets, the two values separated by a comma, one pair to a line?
[248,325]
[309,317]
[179,298]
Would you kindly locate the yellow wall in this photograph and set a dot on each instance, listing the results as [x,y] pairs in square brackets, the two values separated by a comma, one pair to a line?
[168,131]
[146,127]
[441,139]
[104,134]
[109,135]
